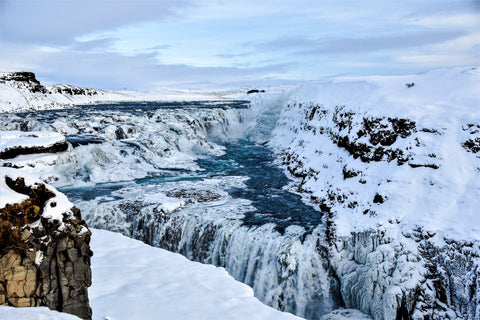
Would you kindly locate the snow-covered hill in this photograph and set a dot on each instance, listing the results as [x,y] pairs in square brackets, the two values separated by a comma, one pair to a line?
[373,150]
[21,91]
[394,163]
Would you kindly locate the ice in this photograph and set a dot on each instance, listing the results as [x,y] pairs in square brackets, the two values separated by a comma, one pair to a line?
[285,271]
[120,146]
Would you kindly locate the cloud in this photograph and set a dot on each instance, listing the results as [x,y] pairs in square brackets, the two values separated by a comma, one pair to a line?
[93,45]
[360,45]
[58,22]
[145,43]
[113,71]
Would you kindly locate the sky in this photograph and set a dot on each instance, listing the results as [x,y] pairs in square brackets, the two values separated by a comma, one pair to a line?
[192,44]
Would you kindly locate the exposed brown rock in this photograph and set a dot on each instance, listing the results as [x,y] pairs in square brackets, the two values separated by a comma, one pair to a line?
[43,265]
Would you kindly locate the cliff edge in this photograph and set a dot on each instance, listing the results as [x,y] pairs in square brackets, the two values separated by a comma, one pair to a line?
[44,247]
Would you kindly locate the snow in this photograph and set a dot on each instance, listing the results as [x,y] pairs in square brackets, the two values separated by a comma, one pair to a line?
[131,280]
[9,196]
[14,139]
[444,200]
[38,313]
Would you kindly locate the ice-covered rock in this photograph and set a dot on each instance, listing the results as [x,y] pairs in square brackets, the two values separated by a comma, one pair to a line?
[14,143]
[397,170]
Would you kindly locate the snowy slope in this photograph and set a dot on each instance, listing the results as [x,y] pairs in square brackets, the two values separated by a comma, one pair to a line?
[355,138]
[132,280]
[396,169]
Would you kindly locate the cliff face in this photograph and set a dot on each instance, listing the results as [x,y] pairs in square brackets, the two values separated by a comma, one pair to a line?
[44,248]
[23,80]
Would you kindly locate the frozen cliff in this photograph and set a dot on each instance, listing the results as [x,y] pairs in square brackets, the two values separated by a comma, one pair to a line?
[394,163]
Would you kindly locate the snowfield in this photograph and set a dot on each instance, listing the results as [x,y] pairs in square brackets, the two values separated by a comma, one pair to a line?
[131,280]
[22,92]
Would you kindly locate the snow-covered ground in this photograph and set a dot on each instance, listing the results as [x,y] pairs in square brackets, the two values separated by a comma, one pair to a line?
[354,138]
[131,280]
[16,96]
[38,313]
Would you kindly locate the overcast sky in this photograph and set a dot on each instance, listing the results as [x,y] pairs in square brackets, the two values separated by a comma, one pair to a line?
[147,44]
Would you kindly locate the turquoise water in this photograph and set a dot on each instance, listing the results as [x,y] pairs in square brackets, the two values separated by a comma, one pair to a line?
[265,186]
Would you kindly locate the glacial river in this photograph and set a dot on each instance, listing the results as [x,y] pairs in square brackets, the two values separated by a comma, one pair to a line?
[223,201]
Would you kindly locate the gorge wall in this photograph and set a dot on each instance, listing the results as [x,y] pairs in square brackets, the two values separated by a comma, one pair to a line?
[44,248]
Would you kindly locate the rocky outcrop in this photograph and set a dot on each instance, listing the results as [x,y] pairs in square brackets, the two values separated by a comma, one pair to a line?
[27,81]
[44,249]
[23,80]
[20,150]
[15,143]
[72,90]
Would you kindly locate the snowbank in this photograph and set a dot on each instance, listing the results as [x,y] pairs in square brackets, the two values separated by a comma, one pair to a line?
[377,151]
[132,280]
[38,313]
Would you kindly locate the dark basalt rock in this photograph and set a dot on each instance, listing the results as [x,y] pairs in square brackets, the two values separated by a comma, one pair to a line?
[43,265]
[472,145]
[24,79]
[255,91]
[10,153]
[73,91]
[426,165]
[378,199]
[381,133]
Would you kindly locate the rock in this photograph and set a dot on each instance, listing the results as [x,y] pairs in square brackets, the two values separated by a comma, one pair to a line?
[15,143]
[48,264]
[23,80]
[72,90]
[255,91]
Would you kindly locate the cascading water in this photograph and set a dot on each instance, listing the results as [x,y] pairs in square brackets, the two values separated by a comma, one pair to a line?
[226,215]
[196,178]
[159,173]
